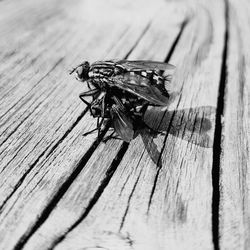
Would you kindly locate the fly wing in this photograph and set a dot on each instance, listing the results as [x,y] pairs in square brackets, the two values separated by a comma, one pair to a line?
[145,65]
[122,123]
[141,87]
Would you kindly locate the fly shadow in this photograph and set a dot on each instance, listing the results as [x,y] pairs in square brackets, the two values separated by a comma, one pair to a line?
[194,125]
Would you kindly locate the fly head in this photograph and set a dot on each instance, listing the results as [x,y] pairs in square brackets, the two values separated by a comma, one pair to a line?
[81,71]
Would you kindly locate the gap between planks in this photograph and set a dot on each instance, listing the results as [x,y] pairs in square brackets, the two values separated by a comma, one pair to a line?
[217,147]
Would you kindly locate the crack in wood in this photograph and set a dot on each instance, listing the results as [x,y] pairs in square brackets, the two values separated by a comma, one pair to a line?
[138,40]
[159,166]
[65,186]
[19,183]
[217,136]
[16,128]
[40,80]
[42,154]
[46,212]
[194,129]
[128,203]
[171,51]
[115,163]
[123,34]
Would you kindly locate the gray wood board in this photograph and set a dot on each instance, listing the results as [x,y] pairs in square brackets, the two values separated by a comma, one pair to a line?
[235,159]
[174,190]
[145,193]
[160,194]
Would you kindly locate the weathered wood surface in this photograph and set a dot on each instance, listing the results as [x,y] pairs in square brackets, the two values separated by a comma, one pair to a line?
[186,189]
[235,159]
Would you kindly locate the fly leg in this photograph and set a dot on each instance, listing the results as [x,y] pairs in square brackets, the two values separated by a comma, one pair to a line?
[111,136]
[98,127]
[90,132]
[88,85]
[88,93]
[91,84]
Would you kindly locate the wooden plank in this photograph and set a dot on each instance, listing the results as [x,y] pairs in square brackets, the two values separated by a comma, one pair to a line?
[44,146]
[160,194]
[30,23]
[46,108]
[235,160]
[95,174]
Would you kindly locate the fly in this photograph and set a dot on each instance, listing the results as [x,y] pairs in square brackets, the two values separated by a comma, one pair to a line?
[121,91]
[140,78]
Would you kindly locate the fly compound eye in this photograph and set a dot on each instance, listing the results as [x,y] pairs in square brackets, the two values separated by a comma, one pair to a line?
[79,73]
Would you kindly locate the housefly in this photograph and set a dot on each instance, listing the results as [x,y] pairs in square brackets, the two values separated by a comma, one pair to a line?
[143,79]
[121,90]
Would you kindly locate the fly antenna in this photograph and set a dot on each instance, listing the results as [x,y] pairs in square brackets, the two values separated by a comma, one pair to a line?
[72,71]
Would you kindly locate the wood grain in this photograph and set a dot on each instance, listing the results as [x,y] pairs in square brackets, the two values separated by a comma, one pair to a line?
[93,179]
[42,113]
[163,200]
[235,160]
[154,193]
[186,188]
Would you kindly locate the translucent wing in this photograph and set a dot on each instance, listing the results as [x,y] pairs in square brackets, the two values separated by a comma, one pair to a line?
[122,123]
[141,87]
[145,65]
